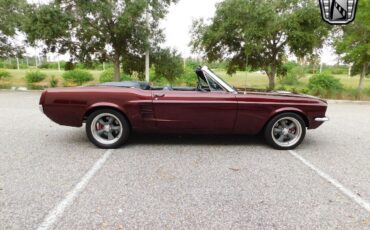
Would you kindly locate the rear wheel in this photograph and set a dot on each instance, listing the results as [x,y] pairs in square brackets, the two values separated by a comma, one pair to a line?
[107,129]
[285,131]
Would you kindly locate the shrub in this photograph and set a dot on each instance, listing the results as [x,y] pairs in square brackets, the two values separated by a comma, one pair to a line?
[78,76]
[160,81]
[339,71]
[80,66]
[188,78]
[324,85]
[304,90]
[281,88]
[53,82]
[23,66]
[10,66]
[35,76]
[108,76]
[44,66]
[290,79]
[293,76]
[69,66]
[283,70]
[4,74]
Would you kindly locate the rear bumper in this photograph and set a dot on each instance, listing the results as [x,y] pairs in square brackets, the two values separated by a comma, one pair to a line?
[322,119]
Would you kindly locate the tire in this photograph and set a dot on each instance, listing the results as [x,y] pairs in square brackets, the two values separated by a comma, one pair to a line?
[285,131]
[107,129]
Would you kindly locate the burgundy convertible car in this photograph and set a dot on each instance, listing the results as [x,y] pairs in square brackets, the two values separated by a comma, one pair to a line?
[112,111]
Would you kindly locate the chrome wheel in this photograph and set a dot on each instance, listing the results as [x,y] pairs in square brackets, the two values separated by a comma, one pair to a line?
[106,128]
[287,132]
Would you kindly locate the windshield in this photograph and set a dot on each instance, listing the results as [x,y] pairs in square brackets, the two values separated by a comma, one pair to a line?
[221,81]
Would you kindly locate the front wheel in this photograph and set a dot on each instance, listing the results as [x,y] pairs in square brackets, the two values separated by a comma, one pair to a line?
[107,129]
[285,131]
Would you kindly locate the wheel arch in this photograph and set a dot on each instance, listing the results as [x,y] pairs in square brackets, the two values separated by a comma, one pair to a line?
[97,107]
[288,110]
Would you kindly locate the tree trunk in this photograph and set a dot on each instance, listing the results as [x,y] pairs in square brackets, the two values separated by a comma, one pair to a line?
[362,77]
[117,70]
[271,82]
[271,75]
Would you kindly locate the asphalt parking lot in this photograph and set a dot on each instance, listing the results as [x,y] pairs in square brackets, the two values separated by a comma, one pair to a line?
[52,177]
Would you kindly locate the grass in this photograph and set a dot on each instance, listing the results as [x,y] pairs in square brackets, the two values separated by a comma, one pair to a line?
[18,77]
[260,81]
[239,80]
[255,80]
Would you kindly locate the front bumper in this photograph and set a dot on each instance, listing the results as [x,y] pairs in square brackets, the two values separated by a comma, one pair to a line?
[322,119]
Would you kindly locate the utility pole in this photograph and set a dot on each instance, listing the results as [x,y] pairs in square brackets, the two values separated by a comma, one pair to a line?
[246,74]
[147,54]
[350,70]
[17,63]
[58,62]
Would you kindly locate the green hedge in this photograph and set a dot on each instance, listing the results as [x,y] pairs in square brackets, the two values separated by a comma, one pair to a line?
[77,76]
[35,76]
[325,85]
[4,74]
[108,76]
[53,82]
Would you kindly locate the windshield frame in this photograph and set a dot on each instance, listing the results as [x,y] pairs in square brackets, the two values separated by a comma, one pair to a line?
[218,79]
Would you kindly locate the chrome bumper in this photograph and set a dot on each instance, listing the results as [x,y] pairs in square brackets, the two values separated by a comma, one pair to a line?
[322,119]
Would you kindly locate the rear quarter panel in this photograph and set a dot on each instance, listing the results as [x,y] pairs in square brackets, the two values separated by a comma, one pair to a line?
[69,106]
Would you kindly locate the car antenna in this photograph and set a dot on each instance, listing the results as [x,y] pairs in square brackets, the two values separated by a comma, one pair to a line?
[246,76]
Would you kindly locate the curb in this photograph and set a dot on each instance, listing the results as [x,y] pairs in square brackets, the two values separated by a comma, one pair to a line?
[348,102]
[20,89]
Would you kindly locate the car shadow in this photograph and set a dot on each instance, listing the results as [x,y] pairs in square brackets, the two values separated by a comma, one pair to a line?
[187,139]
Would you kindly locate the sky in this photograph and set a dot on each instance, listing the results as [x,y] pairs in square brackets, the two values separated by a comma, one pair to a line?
[177,26]
[178,22]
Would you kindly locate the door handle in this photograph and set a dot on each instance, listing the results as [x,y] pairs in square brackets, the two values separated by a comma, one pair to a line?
[157,96]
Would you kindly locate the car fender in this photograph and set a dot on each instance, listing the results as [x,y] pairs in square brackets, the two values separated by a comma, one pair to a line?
[289,110]
[106,105]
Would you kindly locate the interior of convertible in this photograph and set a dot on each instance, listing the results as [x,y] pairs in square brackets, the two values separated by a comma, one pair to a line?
[205,84]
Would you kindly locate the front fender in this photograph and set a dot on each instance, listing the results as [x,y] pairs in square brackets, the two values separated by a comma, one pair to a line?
[290,110]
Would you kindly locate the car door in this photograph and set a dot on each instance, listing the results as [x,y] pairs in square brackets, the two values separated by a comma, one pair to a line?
[195,111]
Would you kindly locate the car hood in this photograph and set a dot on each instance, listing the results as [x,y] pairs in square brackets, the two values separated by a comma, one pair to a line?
[280,94]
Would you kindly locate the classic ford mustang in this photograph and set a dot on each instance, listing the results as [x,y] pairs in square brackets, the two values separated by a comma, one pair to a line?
[112,111]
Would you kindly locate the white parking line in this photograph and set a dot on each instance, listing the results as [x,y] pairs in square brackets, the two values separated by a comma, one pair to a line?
[58,211]
[357,199]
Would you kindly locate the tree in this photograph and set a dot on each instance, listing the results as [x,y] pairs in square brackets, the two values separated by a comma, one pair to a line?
[259,33]
[357,69]
[105,30]
[354,43]
[11,15]
[49,24]
[168,64]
